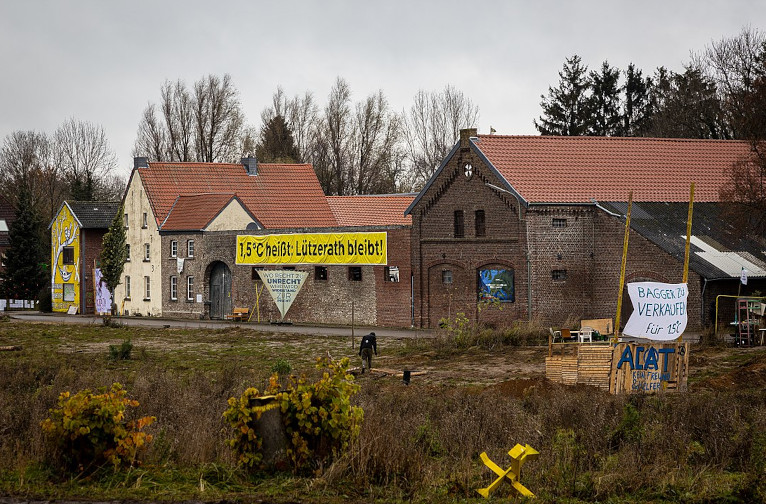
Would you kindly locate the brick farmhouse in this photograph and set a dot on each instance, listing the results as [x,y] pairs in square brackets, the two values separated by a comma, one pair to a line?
[545,217]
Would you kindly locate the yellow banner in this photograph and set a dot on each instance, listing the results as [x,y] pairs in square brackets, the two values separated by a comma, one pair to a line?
[313,248]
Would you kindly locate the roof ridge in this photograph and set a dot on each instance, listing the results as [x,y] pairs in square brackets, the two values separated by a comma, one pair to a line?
[590,138]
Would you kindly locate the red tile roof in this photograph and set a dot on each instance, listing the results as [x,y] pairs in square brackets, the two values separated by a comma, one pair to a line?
[281,195]
[195,212]
[548,169]
[372,209]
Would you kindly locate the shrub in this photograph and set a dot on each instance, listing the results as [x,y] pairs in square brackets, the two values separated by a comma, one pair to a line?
[90,429]
[281,367]
[121,352]
[319,419]
[242,415]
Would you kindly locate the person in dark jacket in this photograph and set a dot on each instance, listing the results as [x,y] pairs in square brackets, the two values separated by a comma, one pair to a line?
[368,345]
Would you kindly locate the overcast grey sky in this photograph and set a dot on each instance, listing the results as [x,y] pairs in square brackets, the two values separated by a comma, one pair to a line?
[104,61]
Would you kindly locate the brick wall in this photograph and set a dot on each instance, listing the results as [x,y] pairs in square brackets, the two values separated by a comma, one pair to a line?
[329,301]
[562,251]
[90,241]
[194,267]
[437,252]
[645,262]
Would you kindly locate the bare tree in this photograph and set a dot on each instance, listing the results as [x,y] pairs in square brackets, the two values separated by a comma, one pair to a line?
[204,124]
[219,120]
[301,116]
[334,133]
[151,140]
[432,127]
[26,164]
[376,163]
[178,112]
[734,64]
[81,151]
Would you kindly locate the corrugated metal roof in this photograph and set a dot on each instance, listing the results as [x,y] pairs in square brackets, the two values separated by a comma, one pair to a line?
[717,249]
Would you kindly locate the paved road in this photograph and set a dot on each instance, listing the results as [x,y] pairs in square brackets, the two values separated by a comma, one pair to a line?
[55,318]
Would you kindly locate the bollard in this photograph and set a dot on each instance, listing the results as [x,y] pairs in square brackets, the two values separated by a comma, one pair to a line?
[519,454]
[406,377]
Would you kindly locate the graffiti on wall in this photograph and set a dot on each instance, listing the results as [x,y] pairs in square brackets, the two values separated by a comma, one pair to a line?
[65,258]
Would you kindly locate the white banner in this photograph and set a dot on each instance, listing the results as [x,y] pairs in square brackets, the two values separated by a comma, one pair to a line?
[659,310]
[103,296]
[283,286]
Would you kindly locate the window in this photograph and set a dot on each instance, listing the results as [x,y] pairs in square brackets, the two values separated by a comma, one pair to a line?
[496,285]
[447,276]
[190,248]
[147,288]
[147,252]
[459,224]
[189,288]
[125,220]
[68,255]
[127,253]
[127,287]
[320,273]
[355,273]
[559,223]
[145,222]
[559,275]
[174,288]
[173,248]
[391,274]
[480,223]
[68,292]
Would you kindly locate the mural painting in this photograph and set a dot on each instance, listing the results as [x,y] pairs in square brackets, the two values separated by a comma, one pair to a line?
[65,258]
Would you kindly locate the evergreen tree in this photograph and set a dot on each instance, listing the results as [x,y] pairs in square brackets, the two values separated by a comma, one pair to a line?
[565,111]
[114,253]
[636,109]
[26,270]
[604,101]
[276,144]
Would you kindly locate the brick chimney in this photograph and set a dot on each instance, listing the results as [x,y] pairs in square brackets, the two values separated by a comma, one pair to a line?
[251,165]
[465,135]
[140,162]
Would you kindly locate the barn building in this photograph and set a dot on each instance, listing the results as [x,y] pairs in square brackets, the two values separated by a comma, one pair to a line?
[522,227]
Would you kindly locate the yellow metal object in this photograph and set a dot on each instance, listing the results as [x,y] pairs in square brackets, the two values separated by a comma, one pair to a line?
[519,454]
[616,337]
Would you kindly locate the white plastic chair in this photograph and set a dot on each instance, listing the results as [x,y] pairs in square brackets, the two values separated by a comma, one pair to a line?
[586,333]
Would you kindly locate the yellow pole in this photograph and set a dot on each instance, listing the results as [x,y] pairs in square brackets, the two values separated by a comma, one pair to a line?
[622,268]
[688,233]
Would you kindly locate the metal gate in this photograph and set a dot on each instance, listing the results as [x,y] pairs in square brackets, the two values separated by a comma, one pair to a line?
[220,291]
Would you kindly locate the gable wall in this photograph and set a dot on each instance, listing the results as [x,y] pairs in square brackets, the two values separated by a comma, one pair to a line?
[65,232]
[436,250]
[136,203]
[232,217]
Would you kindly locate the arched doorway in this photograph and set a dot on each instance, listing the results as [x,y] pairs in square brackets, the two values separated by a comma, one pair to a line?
[220,290]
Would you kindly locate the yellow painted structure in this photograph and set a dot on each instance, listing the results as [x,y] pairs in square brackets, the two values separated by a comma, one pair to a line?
[519,454]
[65,260]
